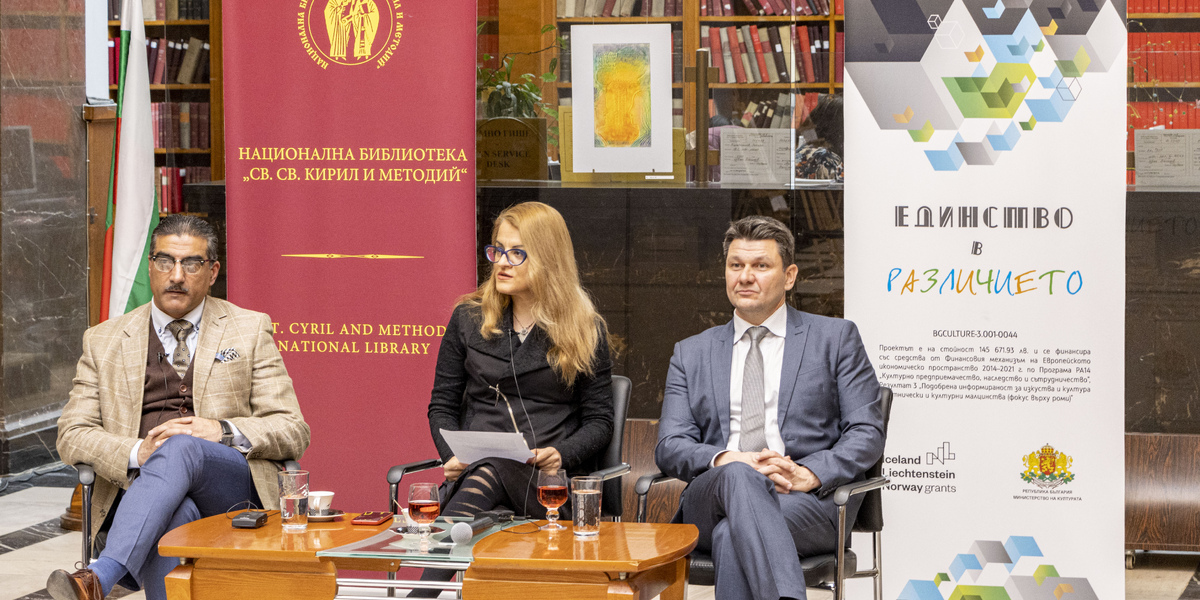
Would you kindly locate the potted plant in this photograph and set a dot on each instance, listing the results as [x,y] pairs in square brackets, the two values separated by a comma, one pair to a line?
[511,136]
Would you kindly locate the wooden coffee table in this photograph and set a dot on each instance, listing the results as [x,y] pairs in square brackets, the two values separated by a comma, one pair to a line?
[628,560]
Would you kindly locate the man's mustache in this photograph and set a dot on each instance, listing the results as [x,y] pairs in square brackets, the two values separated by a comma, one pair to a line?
[177,288]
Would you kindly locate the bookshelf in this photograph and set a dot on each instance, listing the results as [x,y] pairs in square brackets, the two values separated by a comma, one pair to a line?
[198,147]
[729,97]
[1164,69]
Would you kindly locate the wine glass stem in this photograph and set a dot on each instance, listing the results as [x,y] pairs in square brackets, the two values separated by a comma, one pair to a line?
[552,516]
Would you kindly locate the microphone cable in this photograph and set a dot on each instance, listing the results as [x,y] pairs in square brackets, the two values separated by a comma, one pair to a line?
[533,433]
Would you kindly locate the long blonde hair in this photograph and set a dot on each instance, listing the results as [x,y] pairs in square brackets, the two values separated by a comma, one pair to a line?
[560,305]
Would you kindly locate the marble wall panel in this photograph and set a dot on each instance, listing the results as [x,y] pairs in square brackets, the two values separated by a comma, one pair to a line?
[43,246]
[1162,312]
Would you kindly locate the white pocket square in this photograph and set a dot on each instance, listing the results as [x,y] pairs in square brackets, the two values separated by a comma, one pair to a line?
[227,355]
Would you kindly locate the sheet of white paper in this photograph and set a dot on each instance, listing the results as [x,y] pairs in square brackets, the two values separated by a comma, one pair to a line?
[470,446]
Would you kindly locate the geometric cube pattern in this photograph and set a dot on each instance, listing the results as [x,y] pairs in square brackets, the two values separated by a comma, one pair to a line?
[1044,584]
[1019,546]
[946,64]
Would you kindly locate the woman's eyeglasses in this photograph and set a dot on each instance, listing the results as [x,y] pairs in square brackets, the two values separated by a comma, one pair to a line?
[515,256]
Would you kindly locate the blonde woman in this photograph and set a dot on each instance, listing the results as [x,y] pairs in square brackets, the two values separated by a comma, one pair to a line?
[526,352]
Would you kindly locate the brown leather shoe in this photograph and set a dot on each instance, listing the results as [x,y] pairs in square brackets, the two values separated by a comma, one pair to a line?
[80,585]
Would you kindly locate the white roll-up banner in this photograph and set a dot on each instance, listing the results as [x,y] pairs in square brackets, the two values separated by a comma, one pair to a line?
[985,268]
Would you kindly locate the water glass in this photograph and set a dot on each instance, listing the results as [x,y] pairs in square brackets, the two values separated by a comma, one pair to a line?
[293,500]
[585,502]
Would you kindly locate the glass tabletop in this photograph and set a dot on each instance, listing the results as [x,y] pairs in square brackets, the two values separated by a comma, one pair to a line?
[396,543]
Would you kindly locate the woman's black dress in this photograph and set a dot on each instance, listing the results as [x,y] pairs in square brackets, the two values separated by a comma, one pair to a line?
[474,377]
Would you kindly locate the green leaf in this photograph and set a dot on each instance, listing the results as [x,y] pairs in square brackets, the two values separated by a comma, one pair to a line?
[553,65]
[549,77]
[547,27]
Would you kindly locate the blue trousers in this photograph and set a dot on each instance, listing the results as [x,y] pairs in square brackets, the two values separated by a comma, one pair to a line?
[185,479]
[756,535]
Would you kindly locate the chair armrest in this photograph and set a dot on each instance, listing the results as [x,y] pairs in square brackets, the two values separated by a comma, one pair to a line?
[642,489]
[399,471]
[646,481]
[611,472]
[291,465]
[87,475]
[842,494]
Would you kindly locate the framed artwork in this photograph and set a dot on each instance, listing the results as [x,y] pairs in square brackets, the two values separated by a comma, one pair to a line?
[621,98]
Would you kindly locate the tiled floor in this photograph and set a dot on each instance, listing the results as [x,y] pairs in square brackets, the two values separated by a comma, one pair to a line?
[32,545]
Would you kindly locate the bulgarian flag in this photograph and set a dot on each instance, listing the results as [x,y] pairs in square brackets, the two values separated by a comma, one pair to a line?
[132,206]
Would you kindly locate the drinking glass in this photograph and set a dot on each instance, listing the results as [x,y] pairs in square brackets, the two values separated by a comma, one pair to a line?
[424,506]
[293,500]
[585,501]
[552,493]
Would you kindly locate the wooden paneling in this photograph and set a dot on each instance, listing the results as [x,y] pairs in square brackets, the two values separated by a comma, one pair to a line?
[101,129]
[641,435]
[1162,506]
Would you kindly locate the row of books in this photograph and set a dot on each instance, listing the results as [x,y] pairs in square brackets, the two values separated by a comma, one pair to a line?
[167,61]
[1165,115]
[180,124]
[783,111]
[768,114]
[780,54]
[781,8]
[170,185]
[1172,56]
[1164,6]
[164,10]
[566,9]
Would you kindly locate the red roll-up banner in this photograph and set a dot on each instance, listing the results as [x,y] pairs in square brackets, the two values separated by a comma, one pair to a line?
[349,137]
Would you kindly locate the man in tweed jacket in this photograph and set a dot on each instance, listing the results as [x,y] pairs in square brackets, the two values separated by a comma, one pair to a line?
[184,409]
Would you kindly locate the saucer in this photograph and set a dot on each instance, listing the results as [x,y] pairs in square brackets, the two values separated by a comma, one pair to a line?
[323,518]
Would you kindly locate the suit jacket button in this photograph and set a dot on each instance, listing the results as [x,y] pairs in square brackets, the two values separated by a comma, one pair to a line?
[183,389]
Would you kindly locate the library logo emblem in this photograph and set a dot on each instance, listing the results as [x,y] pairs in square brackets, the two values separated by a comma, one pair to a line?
[350,32]
[1047,468]
[967,80]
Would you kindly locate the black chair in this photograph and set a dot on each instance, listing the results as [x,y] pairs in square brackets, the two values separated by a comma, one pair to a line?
[87,479]
[826,571]
[611,467]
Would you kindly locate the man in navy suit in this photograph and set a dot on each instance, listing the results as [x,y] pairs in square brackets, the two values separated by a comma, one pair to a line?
[764,417]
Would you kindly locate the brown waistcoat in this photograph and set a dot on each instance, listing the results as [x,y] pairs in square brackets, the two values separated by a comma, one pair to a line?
[165,395]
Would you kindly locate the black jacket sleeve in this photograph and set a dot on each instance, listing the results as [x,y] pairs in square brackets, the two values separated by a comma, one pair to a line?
[449,381]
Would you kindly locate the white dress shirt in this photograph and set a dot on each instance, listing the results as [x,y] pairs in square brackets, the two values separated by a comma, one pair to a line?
[771,346]
[159,320]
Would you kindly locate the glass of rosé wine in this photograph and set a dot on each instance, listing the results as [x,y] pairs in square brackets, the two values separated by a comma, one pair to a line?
[552,493]
[424,506]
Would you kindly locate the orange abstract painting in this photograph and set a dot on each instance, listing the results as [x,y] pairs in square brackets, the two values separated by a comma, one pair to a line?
[621,86]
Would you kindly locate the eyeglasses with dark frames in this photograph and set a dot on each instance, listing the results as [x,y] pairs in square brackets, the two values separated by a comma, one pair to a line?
[515,256]
[165,263]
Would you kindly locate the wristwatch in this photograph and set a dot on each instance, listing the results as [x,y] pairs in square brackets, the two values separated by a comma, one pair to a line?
[226,432]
